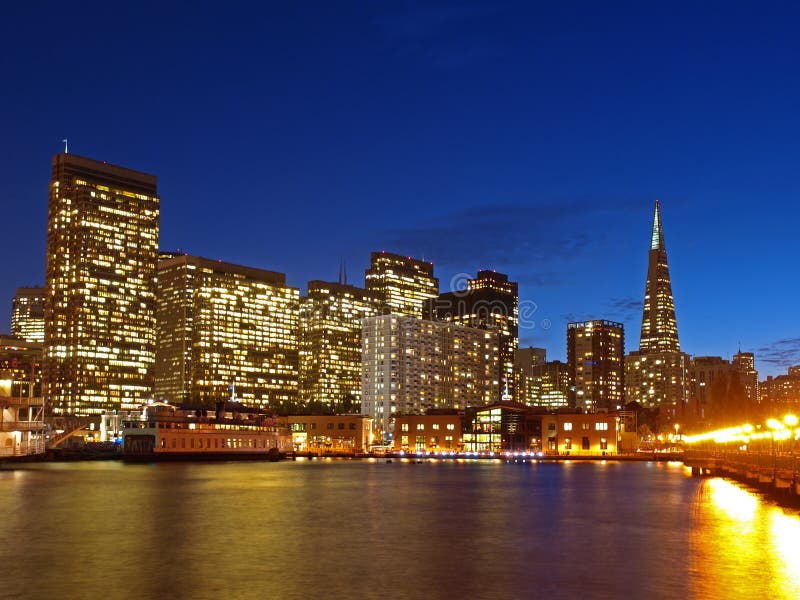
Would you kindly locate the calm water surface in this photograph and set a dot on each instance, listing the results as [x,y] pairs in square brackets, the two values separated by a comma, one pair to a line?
[359,529]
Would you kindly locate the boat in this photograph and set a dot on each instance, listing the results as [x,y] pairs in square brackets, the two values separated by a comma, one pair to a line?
[162,431]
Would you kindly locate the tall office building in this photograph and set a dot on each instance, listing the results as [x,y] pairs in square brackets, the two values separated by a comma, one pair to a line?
[596,359]
[745,363]
[410,365]
[546,384]
[404,283]
[27,314]
[659,327]
[490,301]
[330,342]
[102,248]
[223,331]
[703,372]
[658,373]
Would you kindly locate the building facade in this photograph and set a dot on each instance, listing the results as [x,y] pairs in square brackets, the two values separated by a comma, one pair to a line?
[402,282]
[491,302]
[411,365]
[549,385]
[596,363]
[102,249]
[703,372]
[330,343]
[225,331]
[434,432]
[20,368]
[331,434]
[27,314]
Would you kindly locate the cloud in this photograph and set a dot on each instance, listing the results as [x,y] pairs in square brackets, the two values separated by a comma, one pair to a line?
[783,353]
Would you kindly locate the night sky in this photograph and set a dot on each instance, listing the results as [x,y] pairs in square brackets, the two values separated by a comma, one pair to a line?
[531,138]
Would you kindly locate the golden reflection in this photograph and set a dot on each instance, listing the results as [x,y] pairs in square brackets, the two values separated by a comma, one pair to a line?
[742,545]
[785,531]
[736,502]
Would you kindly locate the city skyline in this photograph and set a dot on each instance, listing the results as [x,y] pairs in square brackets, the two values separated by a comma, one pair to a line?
[495,180]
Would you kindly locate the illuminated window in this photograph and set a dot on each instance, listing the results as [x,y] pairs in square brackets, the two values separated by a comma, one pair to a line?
[603,443]
[568,443]
[420,427]
[567,426]
[450,426]
[601,426]
[404,427]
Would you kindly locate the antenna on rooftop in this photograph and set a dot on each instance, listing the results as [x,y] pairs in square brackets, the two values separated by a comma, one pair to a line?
[66,146]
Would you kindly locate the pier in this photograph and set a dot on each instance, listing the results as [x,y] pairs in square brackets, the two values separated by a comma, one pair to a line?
[774,473]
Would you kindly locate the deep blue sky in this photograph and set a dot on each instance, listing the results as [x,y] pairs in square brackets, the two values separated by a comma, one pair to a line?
[531,138]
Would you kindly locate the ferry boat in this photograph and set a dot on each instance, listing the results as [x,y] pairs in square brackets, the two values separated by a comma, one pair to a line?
[231,432]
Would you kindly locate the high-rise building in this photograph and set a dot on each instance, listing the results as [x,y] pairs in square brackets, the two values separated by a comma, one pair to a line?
[549,385]
[330,342]
[404,283]
[657,374]
[596,358]
[102,248]
[659,327]
[745,363]
[412,365]
[225,331]
[27,314]
[703,372]
[782,390]
[491,302]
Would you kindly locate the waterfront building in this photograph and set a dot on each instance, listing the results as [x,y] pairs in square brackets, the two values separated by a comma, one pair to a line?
[657,374]
[331,434]
[27,314]
[502,427]
[21,402]
[490,301]
[102,248]
[20,368]
[410,365]
[402,282]
[330,343]
[225,330]
[435,431]
[576,434]
[745,363]
[596,361]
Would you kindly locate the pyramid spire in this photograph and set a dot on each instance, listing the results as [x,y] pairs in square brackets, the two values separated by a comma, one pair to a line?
[659,327]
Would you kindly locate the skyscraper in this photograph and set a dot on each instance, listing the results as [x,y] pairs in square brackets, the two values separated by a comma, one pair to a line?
[27,314]
[411,365]
[102,248]
[595,359]
[658,373]
[489,302]
[745,363]
[404,283]
[330,342]
[659,328]
[225,330]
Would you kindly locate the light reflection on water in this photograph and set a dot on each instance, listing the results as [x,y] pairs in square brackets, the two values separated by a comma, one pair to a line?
[367,529]
[743,546]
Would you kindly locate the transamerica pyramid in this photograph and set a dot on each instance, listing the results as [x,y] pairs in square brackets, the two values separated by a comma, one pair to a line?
[659,328]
